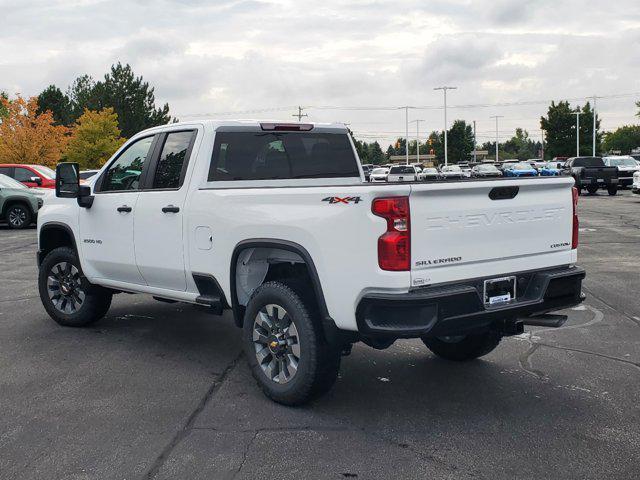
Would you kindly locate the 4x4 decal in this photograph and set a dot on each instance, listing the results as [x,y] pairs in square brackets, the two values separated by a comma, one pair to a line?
[346,200]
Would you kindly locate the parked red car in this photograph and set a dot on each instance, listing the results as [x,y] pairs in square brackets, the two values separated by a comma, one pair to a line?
[30,175]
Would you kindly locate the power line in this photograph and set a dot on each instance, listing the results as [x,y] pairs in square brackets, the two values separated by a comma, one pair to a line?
[416,107]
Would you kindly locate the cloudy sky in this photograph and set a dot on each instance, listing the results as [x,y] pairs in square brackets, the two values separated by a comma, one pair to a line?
[259,59]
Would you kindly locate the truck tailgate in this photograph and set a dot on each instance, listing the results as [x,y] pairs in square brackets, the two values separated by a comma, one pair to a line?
[472,229]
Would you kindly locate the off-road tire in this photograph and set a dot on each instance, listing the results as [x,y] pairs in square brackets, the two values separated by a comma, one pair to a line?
[468,347]
[97,300]
[319,362]
[18,216]
[592,189]
[612,190]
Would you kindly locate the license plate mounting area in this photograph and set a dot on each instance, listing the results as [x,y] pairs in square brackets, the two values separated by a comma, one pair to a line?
[498,291]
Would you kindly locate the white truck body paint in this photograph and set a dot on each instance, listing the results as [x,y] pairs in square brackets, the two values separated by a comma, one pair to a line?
[456,230]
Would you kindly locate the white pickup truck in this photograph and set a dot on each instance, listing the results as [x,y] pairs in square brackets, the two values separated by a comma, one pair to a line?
[276,223]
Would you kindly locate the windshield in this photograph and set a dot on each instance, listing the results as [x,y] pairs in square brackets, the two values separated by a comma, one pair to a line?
[621,162]
[551,165]
[45,171]
[402,170]
[379,171]
[521,166]
[430,170]
[8,182]
[451,168]
[486,168]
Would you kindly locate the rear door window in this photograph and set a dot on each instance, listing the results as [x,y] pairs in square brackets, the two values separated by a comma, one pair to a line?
[173,160]
[588,162]
[281,155]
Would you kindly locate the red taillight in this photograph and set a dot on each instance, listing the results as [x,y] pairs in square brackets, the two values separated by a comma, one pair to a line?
[394,246]
[574,237]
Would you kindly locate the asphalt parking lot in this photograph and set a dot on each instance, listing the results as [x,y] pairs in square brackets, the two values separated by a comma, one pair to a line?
[162,391]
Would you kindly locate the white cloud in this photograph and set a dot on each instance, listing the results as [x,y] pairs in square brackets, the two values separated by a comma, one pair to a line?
[205,56]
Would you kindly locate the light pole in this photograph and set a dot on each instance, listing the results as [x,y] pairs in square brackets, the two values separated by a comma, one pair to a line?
[594,124]
[406,125]
[497,117]
[417,139]
[444,90]
[475,142]
[577,114]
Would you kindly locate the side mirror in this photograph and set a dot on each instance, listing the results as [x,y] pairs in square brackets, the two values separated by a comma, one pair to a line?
[36,180]
[67,180]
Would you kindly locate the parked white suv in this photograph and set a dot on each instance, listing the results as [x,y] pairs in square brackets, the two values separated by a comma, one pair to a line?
[274,222]
[403,173]
[379,175]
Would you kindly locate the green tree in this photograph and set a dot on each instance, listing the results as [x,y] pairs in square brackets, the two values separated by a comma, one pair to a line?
[520,146]
[131,98]
[81,96]
[53,100]
[129,95]
[459,141]
[376,155]
[623,139]
[4,100]
[560,130]
[95,138]
[435,142]
[390,151]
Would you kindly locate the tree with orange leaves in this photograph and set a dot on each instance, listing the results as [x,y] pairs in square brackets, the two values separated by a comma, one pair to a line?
[26,137]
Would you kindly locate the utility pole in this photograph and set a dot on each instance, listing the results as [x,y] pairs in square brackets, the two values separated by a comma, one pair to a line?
[300,114]
[475,142]
[542,144]
[417,138]
[444,90]
[497,117]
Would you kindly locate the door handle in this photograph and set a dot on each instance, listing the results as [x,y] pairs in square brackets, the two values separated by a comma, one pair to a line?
[124,208]
[170,209]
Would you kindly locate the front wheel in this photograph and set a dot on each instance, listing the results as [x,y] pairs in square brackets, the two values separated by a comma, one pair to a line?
[592,189]
[612,190]
[286,350]
[18,216]
[66,294]
[462,348]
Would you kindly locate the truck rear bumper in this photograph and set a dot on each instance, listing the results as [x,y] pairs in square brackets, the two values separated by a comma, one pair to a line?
[459,308]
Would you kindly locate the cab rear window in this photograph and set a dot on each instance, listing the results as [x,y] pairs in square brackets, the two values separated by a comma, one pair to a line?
[588,162]
[259,155]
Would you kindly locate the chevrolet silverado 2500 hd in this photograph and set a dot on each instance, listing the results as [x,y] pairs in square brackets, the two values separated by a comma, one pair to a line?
[275,222]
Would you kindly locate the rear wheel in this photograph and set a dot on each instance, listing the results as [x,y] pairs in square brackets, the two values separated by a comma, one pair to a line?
[592,189]
[612,190]
[287,353]
[66,294]
[463,347]
[18,216]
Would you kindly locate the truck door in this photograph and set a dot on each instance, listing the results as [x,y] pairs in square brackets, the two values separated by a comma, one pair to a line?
[106,228]
[158,223]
